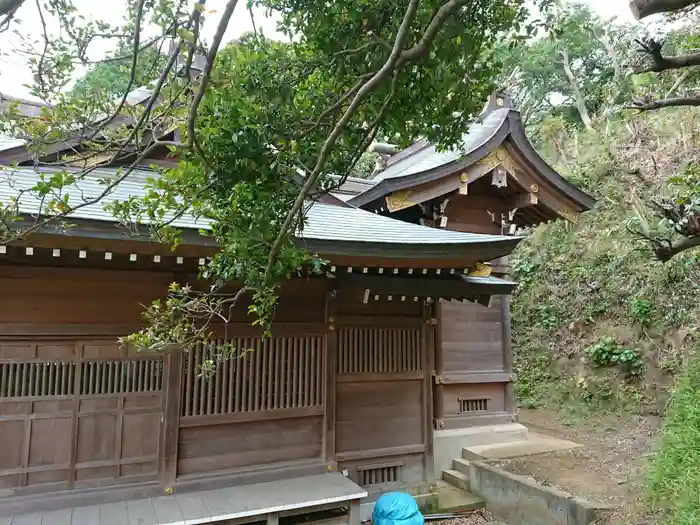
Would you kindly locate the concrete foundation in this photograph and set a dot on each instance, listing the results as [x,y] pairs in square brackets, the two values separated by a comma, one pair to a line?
[448,444]
[518,500]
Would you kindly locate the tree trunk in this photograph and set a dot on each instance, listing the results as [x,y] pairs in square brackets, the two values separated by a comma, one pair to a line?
[578,94]
[644,8]
[604,39]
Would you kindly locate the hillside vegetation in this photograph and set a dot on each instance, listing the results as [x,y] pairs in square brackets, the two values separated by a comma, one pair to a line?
[598,321]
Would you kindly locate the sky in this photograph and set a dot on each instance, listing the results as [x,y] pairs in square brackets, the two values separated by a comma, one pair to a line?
[15,73]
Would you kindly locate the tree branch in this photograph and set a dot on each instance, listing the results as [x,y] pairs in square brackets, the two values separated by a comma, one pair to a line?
[665,252]
[310,182]
[8,7]
[206,75]
[646,104]
[653,49]
[132,71]
[431,31]
[679,82]
[643,8]
[40,65]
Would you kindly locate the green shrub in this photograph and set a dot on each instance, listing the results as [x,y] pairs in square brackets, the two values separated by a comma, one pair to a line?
[642,311]
[609,352]
[674,479]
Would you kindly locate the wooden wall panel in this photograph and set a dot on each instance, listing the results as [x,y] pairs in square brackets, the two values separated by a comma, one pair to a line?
[277,373]
[390,473]
[77,296]
[380,432]
[474,399]
[301,300]
[378,415]
[261,407]
[379,350]
[231,446]
[472,337]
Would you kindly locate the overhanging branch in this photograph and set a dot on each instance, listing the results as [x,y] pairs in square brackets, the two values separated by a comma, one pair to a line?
[643,8]
[646,104]
[653,49]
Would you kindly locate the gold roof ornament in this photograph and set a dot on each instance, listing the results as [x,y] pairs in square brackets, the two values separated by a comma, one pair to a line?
[481,270]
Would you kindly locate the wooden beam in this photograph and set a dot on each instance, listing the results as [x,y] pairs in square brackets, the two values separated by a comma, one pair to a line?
[455,286]
[171,416]
[499,177]
[493,204]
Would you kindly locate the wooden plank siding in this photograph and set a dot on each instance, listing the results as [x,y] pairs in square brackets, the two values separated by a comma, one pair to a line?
[472,378]
[83,414]
[263,406]
[341,385]
[381,400]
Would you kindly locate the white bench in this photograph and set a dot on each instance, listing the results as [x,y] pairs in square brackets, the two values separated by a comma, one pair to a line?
[244,504]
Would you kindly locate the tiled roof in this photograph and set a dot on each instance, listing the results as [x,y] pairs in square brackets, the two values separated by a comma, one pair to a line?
[9,143]
[425,156]
[325,222]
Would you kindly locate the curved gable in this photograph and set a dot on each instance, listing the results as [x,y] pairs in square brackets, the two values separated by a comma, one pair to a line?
[521,182]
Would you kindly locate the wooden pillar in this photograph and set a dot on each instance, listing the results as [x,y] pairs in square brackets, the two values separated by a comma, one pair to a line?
[172,361]
[330,377]
[510,402]
[428,352]
[438,395]
[354,512]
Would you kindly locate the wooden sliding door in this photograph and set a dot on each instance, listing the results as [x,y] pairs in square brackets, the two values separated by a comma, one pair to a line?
[77,414]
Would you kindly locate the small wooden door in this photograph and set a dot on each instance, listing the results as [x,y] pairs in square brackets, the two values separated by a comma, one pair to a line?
[381,428]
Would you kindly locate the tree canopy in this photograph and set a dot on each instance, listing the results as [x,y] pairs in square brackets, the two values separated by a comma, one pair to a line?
[260,131]
[586,71]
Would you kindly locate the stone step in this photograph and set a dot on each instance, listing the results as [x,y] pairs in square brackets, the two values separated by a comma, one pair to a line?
[461,465]
[456,478]
[453,499]
[534,444]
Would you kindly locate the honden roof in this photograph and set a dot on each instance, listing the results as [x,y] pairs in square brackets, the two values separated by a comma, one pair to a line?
[345,230]
[423,156]
[422,163]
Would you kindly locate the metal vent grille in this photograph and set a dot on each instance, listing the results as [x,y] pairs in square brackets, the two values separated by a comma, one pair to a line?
[380,474]
[473,404]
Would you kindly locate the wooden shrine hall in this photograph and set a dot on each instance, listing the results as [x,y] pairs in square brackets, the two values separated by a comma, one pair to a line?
[376,375]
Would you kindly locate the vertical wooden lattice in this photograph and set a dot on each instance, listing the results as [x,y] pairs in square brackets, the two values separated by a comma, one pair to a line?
[32,379]
[380,474]
[277,373]
[50,379]
[121,377]
[473,404]
[368,350]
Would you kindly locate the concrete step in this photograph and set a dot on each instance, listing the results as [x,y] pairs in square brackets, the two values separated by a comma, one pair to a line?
[453,499]
[456,478]
[461,465]
[534,444]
